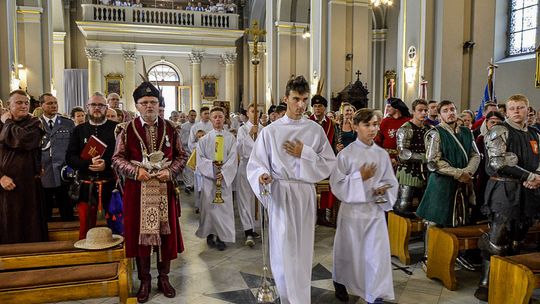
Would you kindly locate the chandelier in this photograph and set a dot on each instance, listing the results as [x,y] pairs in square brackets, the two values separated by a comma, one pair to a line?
[383,2]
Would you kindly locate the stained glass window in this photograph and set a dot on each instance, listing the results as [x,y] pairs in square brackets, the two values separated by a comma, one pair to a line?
[522,27]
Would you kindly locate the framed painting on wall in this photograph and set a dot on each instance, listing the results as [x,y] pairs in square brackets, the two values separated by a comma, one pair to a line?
[114,84]
[209,87]
[389,84]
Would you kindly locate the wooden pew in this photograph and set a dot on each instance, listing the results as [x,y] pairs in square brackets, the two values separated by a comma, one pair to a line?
[513,279]
[399,232]
[67,231]
[56,271]
[444,245]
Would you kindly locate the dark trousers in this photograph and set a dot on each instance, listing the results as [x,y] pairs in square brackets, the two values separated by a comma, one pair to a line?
[58,197]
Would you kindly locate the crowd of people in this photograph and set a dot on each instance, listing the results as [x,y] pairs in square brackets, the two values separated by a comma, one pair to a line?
[427,161]
[220,6]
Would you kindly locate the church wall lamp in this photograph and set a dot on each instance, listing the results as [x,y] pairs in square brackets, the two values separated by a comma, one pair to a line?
[410,73]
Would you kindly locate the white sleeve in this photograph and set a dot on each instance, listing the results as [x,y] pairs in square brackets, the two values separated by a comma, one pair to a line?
[348,188]
[259,162]
[316,163]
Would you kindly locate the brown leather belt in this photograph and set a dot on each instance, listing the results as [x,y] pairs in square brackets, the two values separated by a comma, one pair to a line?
[503,179]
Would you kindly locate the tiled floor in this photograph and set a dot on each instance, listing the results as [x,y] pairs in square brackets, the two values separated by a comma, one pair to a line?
[206,276]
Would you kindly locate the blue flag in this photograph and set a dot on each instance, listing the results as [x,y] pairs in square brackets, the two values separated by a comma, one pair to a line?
[485,99]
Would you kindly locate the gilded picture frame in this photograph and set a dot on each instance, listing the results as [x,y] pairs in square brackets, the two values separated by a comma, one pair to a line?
[209,86]
[537,74]
[114,83]
[389,77]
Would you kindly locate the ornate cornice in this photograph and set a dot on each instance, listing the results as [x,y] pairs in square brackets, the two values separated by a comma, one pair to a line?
[129,54]
[195,57]
[229,57]
[93,53]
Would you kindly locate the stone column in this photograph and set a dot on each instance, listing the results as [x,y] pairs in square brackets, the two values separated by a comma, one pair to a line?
[129,78]
[378,64]
[230,60]
[196,58]
[59,66]
[94,56]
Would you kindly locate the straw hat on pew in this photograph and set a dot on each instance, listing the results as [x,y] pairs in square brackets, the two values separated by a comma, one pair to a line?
[99,238]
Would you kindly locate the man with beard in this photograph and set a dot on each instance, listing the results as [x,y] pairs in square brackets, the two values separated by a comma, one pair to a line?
[149,155]
[412,154]
[22,217]
[452,158]
[512,195]
[58,130]
[97,180]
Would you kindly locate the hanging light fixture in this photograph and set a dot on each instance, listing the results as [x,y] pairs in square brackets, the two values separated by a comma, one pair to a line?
[377,3]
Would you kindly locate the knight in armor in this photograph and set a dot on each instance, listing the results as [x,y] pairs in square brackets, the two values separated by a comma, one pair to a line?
[398,115]
[411,171]
[452,158]
[512,195]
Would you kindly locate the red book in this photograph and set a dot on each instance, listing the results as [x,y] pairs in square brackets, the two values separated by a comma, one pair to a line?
[94,147]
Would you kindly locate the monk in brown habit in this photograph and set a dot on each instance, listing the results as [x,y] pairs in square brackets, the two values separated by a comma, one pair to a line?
[22,216]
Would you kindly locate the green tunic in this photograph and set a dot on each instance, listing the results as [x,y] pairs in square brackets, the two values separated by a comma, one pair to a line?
[437,203]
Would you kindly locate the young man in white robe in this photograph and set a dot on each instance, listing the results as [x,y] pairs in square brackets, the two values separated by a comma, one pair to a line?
[365,183]
[217,220]
[206,125]
[244,194]
[288,158]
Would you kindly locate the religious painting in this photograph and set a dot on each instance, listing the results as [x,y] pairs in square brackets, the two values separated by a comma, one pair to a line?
[209,87]
[389,84]
[114,84]
[223,104]
[537,77]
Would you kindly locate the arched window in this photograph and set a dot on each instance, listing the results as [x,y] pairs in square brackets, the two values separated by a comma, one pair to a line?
[168,80]
[522,27]
[162,73]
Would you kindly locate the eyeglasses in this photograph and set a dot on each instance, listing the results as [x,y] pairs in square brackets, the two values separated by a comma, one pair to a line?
[146,103]
[97,105]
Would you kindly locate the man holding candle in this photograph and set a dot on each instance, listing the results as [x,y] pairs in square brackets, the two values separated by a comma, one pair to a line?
[149,154]
[217,163]
[288,158]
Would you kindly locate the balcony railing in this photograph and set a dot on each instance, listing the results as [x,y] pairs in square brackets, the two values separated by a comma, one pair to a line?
[156,16]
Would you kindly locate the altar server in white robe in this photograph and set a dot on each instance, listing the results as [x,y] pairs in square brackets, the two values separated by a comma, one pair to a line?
[365,183]
[206,125]
[217,220]
[289,157]
[244,194]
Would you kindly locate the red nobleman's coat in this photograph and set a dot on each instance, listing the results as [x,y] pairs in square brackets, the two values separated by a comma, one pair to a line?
[128,148]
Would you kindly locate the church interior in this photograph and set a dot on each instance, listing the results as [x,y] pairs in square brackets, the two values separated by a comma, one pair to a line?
[240,52]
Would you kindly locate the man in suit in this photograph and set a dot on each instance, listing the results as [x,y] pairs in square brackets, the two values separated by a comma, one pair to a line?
[58,129]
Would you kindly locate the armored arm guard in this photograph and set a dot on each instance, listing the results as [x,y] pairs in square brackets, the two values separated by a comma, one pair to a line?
[433,155]
[498,159]
[474,158]
[403,137]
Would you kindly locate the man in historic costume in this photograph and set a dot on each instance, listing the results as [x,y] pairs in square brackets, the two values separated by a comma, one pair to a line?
[22,214]
[512,193]
[452,159]
[398,115]
[113,100]
[96,174]
[149,155]
[411,171]
[319,104]
[58,130]
[366,187]
[217,220]
[185,130]
[289,157]
[479,126]
[245,196]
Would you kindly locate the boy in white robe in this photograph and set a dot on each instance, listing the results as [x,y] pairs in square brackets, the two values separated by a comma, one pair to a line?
[289,157]
[244,194]
[365,183]
[217,220]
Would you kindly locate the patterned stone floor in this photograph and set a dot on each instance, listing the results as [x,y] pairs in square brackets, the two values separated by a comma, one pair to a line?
[206,276]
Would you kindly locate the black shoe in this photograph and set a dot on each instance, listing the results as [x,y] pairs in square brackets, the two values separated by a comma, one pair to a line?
[481,293]
[210,240]
[255,235]
[464,263]
[341,292]
[220,245]
[188,190]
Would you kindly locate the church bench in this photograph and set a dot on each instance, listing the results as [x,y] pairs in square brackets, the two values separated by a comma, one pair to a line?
[444,245]
[56,271]
[399,233]
[67,231]
[513,279]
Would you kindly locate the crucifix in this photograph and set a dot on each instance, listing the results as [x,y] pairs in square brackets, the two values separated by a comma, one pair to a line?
[256,33]
[358,75]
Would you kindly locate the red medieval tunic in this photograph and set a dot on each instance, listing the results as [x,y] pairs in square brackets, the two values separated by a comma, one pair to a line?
[22,216]
[387,134]
[327,198]
[128,148]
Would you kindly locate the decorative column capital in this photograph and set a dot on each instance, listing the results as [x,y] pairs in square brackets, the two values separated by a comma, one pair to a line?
[93,53]
[229,58]
[129,54]
[195,57]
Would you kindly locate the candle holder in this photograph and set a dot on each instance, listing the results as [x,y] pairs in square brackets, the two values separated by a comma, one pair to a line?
[217,198]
